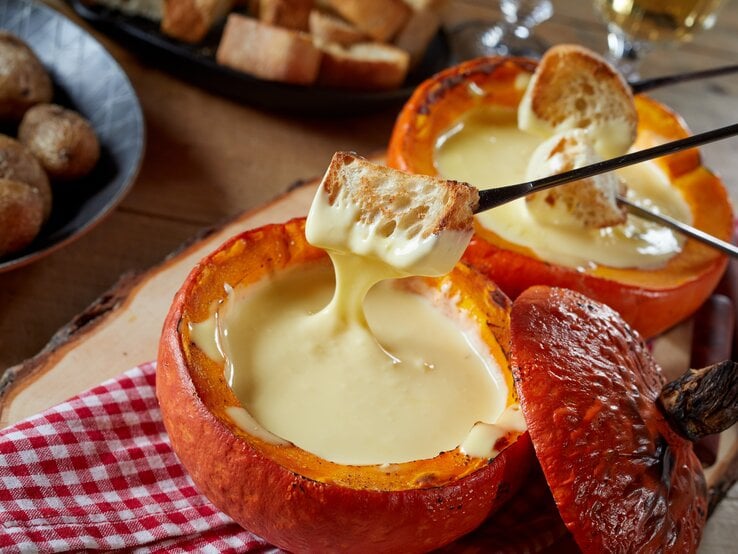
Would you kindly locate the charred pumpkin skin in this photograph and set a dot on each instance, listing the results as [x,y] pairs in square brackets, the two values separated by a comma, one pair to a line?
[623,480]
[650,300]
[288,496]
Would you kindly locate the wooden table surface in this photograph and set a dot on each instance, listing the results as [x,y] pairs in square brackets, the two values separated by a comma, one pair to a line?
[209,159]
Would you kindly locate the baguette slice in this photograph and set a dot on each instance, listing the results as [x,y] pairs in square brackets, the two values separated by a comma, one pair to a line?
[190,20]
[291,14]
[590,203]
[364,66]
[327,28]
[268,52]
[575,88]
[418,224]
[380,19]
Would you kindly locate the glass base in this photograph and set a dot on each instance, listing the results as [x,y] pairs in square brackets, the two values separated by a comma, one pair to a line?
[477,38]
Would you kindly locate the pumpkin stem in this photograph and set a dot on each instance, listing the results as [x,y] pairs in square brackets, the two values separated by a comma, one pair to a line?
[702,401]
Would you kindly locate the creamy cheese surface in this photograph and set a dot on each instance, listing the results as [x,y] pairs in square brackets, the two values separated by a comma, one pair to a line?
[487,149]
[411,384]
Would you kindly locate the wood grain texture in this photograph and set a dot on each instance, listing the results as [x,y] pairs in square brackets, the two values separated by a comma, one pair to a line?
[122,329]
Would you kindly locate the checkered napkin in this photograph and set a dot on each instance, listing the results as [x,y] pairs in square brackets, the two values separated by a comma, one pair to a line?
[97,473]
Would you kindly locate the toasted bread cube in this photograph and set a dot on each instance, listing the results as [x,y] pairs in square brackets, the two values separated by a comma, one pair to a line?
[328,28]
[268,52]
[190,20]
[365,66]
[380,19]
[291,14]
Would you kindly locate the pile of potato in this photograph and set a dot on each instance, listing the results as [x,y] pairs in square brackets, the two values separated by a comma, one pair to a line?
[52,145]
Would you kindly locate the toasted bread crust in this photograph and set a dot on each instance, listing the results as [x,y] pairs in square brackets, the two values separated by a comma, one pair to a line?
[190,20]
[563,67]
[575,88]
[329,28]
[380,19]
[390,194]
[268,52]
[365,66]
[291,14]
[584,202]
[591,202]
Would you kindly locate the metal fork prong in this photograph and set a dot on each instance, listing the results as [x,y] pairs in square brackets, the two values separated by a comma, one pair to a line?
[680,227]
[656,82]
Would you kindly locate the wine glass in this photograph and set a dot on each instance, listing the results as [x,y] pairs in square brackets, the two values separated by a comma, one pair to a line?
[513,36]
[635,26]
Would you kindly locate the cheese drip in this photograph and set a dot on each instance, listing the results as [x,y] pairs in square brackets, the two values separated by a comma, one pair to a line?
[487,149]
[396,241]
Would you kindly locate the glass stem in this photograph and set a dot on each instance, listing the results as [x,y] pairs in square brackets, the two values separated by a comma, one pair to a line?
[625,54]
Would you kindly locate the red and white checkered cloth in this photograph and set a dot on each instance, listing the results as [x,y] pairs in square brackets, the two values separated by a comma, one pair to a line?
[97,473]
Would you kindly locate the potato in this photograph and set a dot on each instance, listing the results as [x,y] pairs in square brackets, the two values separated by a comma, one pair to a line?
[24,81]
[62,140]
[18,164]
[21,215]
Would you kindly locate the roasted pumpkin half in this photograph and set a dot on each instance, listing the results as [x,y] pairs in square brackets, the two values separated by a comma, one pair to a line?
[295,499]
[651,300]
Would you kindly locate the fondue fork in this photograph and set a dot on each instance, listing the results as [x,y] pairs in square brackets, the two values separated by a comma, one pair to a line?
[490,198]
[656,82]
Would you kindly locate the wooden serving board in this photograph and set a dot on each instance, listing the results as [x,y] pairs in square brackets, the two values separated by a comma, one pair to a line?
[121,330]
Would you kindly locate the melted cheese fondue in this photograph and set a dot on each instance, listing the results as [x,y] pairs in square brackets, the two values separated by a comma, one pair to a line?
[487,149]
[337,393]
[356,367]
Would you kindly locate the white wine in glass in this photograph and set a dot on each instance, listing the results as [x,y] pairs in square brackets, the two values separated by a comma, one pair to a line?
[634,25]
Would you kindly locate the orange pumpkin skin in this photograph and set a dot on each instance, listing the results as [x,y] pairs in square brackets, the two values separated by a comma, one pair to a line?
[590,396]
[290,497]
[650,300]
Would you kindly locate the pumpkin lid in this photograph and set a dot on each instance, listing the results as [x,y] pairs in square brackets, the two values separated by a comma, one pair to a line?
[622,478]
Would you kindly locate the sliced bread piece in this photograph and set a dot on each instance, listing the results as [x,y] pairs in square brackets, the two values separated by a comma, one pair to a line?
[190,20]
[380,19]
[268,52]
[329,28]
[291,14]
[365,66]
[590,203]
[573,87]
[418,224]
